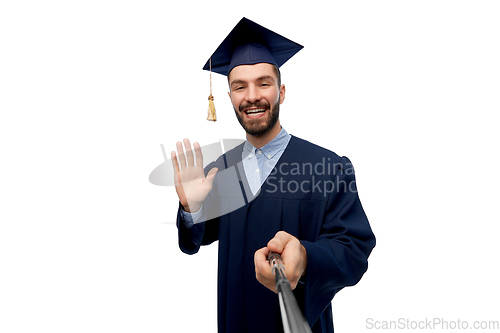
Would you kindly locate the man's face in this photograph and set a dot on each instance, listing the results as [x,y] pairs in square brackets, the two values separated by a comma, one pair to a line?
[256,97]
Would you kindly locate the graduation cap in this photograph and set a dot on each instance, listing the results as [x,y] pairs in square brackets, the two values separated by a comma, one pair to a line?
[247,44]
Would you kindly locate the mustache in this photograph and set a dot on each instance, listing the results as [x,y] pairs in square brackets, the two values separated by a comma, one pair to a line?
[255,105]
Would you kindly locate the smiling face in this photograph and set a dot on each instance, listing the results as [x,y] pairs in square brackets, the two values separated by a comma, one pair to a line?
[256,95]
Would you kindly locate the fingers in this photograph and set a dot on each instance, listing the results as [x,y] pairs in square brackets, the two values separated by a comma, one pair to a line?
[181,156]
[175,164]
[211,176]
[293,254]
[294,257]
[278,243]
[261,254]
[263,271]
[188,158]
[189,153]
[262,267]
[199,155]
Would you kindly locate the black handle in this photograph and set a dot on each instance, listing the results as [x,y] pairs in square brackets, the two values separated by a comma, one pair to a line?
[291,316]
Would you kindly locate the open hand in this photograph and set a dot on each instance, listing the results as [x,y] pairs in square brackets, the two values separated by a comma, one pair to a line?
[191,185]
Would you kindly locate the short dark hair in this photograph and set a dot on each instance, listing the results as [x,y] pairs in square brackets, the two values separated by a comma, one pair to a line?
[278,75]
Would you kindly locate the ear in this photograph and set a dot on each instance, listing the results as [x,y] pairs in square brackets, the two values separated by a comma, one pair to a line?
[282,93]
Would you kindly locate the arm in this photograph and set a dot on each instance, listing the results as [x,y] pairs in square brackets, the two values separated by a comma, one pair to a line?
[336,258]
[192,187]
[191,237]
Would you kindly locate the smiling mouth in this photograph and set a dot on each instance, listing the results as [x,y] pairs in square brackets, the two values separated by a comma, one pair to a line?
[255,113]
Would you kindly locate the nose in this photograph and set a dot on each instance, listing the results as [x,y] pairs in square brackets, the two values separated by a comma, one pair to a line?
[253,94]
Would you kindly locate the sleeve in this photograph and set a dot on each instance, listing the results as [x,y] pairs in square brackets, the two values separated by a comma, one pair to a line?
[200,230]
[339,256]
[191,219]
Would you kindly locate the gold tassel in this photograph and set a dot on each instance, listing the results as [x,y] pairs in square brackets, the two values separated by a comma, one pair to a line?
[211,109]
[211,106]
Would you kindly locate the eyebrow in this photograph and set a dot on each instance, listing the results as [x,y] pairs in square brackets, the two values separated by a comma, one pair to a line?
[260,78]
[265,77]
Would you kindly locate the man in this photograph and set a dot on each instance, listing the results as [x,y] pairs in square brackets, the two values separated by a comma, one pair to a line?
[275,192]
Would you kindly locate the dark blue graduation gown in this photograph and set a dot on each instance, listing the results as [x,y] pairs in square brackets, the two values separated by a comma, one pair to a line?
[310,194]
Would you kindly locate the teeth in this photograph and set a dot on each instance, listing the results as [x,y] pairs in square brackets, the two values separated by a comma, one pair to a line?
[255,111]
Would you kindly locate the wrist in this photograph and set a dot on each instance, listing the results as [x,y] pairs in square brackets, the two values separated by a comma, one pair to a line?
[193,208]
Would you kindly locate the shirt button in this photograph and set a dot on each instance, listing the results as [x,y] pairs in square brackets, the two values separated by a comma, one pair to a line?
[260,151]
[250,155]
[257,170]
[268,156]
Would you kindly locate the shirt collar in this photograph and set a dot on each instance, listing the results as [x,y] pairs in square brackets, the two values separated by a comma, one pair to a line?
[271,148]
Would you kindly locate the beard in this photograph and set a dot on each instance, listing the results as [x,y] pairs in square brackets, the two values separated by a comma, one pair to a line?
[256,126]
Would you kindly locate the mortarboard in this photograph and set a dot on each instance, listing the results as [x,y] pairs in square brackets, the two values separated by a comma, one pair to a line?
[250,43]
[247,44]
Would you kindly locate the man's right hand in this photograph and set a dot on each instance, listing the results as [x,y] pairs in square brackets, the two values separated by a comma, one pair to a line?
[190,182]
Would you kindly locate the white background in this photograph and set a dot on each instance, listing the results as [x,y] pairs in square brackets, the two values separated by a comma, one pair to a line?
[408,90]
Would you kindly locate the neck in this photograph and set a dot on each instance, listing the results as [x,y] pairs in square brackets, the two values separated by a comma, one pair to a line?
[259,141]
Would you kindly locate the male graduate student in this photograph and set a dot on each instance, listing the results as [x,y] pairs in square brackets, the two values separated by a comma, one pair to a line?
[275,192]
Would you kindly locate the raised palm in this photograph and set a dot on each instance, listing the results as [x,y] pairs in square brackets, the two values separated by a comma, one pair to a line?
[190,182]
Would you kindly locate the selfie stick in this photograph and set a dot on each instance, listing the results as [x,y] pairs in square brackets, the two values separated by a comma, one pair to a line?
[291,316]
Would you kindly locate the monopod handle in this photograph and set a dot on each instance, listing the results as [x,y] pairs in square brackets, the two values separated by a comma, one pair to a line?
[291,316]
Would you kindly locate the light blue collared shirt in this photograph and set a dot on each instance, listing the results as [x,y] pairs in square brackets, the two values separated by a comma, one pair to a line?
[257,163]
